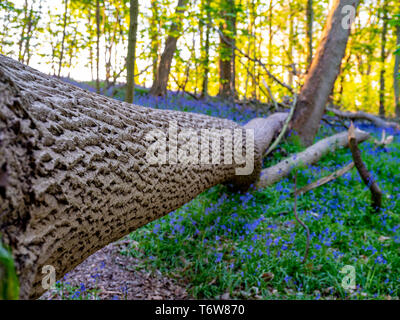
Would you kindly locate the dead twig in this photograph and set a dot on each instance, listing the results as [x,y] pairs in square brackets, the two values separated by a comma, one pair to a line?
[326,179]
[376,193]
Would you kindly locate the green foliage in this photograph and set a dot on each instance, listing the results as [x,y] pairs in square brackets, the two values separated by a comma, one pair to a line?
[9,285]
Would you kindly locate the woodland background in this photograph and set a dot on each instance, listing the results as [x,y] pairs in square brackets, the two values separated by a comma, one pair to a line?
[87,40]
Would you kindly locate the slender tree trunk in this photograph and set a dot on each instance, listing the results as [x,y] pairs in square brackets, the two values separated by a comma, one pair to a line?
[206,51]
[130,61]
[63,37]
[323,72]
[22,37]
[154,36]
[291,40]
[97,45]
[396,75]
[310,21]
[383,58]
[226,51]
[79,170]
[159,87]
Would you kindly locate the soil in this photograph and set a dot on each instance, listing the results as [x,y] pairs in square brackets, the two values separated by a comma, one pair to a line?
[111,275]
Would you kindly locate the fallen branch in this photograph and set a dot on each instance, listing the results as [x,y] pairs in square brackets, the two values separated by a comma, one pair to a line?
[309,156]
[360,115]
[326,179]
[366,176]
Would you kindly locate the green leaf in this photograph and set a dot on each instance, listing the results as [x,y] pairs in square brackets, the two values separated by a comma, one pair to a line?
[9,286]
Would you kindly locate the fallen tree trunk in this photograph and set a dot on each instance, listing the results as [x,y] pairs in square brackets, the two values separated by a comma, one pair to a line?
[309,156]
[75,173]
[360,115]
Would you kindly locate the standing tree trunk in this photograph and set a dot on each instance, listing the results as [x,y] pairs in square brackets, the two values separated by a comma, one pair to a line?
[206,50]
[226,50]
[63,37]
[310,21]
[97,45]
[323,72]
[159,87]
[130,61]
[396,75]
[77,170]
[383,58]
[154,35]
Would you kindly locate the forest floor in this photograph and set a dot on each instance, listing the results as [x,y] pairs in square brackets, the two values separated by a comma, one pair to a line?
[108,275]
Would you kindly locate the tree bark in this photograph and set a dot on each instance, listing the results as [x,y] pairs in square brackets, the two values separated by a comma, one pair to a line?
[159,87]
[311,155]
[75,175]
[130,60]
[323,72]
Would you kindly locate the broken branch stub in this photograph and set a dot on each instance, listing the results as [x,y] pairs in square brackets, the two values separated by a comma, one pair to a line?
[365,175]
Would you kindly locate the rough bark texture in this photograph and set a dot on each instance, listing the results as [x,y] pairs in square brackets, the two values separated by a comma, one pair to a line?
[309,156]
[323,72]
[74,175]
[159,87]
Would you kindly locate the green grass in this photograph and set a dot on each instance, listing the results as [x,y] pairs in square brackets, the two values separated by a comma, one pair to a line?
[251,246]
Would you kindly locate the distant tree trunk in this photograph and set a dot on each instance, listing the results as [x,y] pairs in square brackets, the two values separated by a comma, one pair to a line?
[323,72]
[77,170]
[22,37]
[291,40]
[97,45]
[226,50]
[396,80]
[159,87]
[130,61]
[383,58]
[63,37]
[310,21]
[206,51]
[154,36]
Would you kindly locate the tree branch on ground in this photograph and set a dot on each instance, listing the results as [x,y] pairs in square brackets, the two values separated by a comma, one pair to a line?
[365,175]
[325,180]
[309,156]
[360,115]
